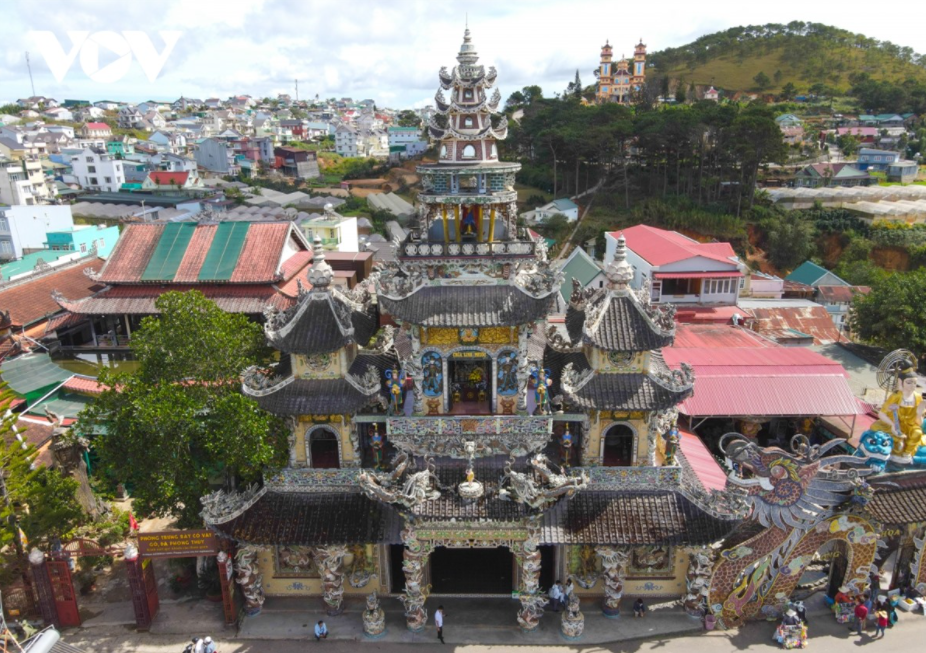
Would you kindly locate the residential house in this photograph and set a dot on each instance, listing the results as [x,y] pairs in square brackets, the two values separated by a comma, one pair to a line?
[173,142]
[83,238]
[296,163]
[832,292]
[872,159]
[882,120]
[153,120]
[129,118]
[347,141]
[336,232]
[865,135]
[788,120]
[213,103]
[903,171]
[95,130]
[172,163]
[12,148]
[185,104]
[265,149]
[88,114]
[36,102]
[58,113]
[296,127]
[216,155]
[172,182]
[97,169]
[678,269]
[762,285]
[581,267]
[121,146]
[407,139]
[712,94]
[318,129]
[23,182]
[564,206]
[107,105]
[816,175]
[23,229]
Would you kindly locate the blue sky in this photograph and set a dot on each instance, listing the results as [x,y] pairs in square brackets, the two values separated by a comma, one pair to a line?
[388,51]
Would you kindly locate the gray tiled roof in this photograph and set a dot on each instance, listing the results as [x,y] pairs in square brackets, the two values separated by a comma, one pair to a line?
[622,327]
[315,329]
[467,306]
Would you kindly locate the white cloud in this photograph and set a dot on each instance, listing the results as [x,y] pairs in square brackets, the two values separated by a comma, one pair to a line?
[386,51]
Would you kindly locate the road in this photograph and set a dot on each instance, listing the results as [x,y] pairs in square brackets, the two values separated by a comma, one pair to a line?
[825,635]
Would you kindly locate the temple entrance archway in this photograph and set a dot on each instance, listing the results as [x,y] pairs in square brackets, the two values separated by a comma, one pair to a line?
[323,449]
[472,571]
[618,446]
[470,373]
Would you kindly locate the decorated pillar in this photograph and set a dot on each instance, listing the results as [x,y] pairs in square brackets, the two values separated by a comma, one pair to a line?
[250,579]
[524,369]
[614,565]
[226,573]
[698,581]
[43,588]
[532,600]
[416,557]
[330,560]
[573,622]
[660,423]
[374,619]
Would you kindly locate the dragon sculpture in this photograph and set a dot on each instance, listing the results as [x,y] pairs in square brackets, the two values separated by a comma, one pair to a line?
[401,486]
[803,500]
[542,486]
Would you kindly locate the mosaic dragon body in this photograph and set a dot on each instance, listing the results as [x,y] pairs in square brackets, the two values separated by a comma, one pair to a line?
[803,500]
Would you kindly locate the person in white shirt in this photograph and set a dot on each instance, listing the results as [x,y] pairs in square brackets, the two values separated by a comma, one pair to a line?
[570,586]
[199,646]
[556,596]
[439,623]
[208,645]
[321,631]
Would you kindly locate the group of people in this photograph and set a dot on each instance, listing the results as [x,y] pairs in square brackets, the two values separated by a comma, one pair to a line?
[559,597]
[200,645]
[882,614]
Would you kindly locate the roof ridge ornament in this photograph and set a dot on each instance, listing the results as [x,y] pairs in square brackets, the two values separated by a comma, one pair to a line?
[321,274]
[619,272]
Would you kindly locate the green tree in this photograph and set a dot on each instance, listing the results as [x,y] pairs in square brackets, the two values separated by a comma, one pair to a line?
[788,91]
[777,76]
[408,118]
[680,93]
[849,144]
[40,501]
[789,240]
[890,315]
[762,81]
[179,424]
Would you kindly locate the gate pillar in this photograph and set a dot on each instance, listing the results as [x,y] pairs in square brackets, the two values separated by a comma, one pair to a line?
[226,575]
[143,587]
[43,588]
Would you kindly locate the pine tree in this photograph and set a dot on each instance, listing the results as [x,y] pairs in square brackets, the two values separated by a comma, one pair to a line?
[577,86]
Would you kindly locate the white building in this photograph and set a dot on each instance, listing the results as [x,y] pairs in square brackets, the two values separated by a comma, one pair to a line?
[23,229]
[680,270]
[98,170]
[347,142]
[565,207]
[407,137]
[23,182]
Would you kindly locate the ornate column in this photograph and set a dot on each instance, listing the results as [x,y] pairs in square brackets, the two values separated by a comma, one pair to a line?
[330,560]
[250,579]
[614,566]
[374,619]
[416,557]
[356,442]
[698,581]
[532,601]
[660,422]
[573,622]
[524,334]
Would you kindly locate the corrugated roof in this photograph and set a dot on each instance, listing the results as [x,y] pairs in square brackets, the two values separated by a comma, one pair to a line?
[696,275]
[139,300]
[661,247]
[578,266]
[765,360]
[813,320]
[770,396]
[702,463]
[32,372]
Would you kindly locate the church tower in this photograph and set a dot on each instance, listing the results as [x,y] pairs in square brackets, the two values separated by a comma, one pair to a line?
[639,66]
[605,73]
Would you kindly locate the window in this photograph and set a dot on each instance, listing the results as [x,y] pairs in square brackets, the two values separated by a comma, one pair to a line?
[467,122]
[469,152]
[4,224]
[83,248]
[89,159]
[323,450]
[6,247]
[109,180]
[604,89]
[93,181]
[468,94]
[91,168]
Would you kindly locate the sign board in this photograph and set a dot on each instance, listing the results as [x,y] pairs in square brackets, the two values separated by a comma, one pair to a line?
[470,353]
[177,544]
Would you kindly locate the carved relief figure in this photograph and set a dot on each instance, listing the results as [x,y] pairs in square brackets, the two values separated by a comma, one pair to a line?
[296,561]
[508,373]
[432,366]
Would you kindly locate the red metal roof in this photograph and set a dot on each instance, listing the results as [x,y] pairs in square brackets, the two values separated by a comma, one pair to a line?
[130,256]
[834,294]
[695,275]
[716,335]
[661,247]
[163,178]
[96,125]
[788,361]
[29,300]
[702,463]
[751,395]
[260,256]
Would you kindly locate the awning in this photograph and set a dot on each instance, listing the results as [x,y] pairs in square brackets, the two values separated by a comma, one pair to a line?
[695,275]
[33,376]
[702,463]
[770,396]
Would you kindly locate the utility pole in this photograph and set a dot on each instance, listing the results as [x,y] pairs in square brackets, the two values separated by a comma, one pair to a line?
[297,89]
[29,67]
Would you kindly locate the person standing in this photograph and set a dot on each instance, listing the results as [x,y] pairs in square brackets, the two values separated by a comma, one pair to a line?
[199,646]
[321,631]
[208,645]
[556,596]
[570,588]
[880,621]
[439,623]
[861,614]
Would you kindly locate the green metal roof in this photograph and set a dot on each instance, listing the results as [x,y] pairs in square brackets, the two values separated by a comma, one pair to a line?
[28,262]
[223,254]
[169,251]
[579,266]
[66,404]
[33,375]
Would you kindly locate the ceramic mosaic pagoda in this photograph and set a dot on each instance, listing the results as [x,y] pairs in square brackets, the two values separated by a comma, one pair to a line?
[455,431]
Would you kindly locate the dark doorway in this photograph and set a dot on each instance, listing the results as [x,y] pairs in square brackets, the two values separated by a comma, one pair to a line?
[323,449]
[471,571]
[618,446]
[547,566]
[470,383]
[838,551]
[396,555]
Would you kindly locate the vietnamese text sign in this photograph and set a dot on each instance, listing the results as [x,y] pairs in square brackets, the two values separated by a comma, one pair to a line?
[177,544]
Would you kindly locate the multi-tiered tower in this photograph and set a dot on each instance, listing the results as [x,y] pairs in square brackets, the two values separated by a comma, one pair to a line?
[469,196]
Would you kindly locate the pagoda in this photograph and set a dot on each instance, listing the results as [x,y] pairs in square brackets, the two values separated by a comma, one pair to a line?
[455,430]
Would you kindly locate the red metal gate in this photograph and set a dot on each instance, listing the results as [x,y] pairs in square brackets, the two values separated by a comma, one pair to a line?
[144,588]
[63,591]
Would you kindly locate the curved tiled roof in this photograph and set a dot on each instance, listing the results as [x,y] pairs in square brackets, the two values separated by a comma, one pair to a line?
[621,326]
[322,322]
[468,306]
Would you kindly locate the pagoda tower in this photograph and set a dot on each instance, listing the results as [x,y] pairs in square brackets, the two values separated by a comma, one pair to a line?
[468,196]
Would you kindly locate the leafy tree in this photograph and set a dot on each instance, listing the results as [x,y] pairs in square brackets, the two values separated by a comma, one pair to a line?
[788,91]
[179,423]
[680,93]
[40,501]
[515,100]
[777,76]
[762,81]
[789,240]
[408,118]
[849,144]
[891,314]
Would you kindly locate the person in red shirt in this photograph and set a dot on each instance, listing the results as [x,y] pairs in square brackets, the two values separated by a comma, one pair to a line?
[861,615]
[881,621]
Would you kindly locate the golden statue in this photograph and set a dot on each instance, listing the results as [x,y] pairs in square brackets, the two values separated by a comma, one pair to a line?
[902,417]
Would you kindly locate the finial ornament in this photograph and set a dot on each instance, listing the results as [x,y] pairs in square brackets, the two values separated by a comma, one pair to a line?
[619,271]
[321,274]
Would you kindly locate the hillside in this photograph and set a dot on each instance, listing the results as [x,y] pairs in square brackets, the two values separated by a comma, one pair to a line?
[802,53]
